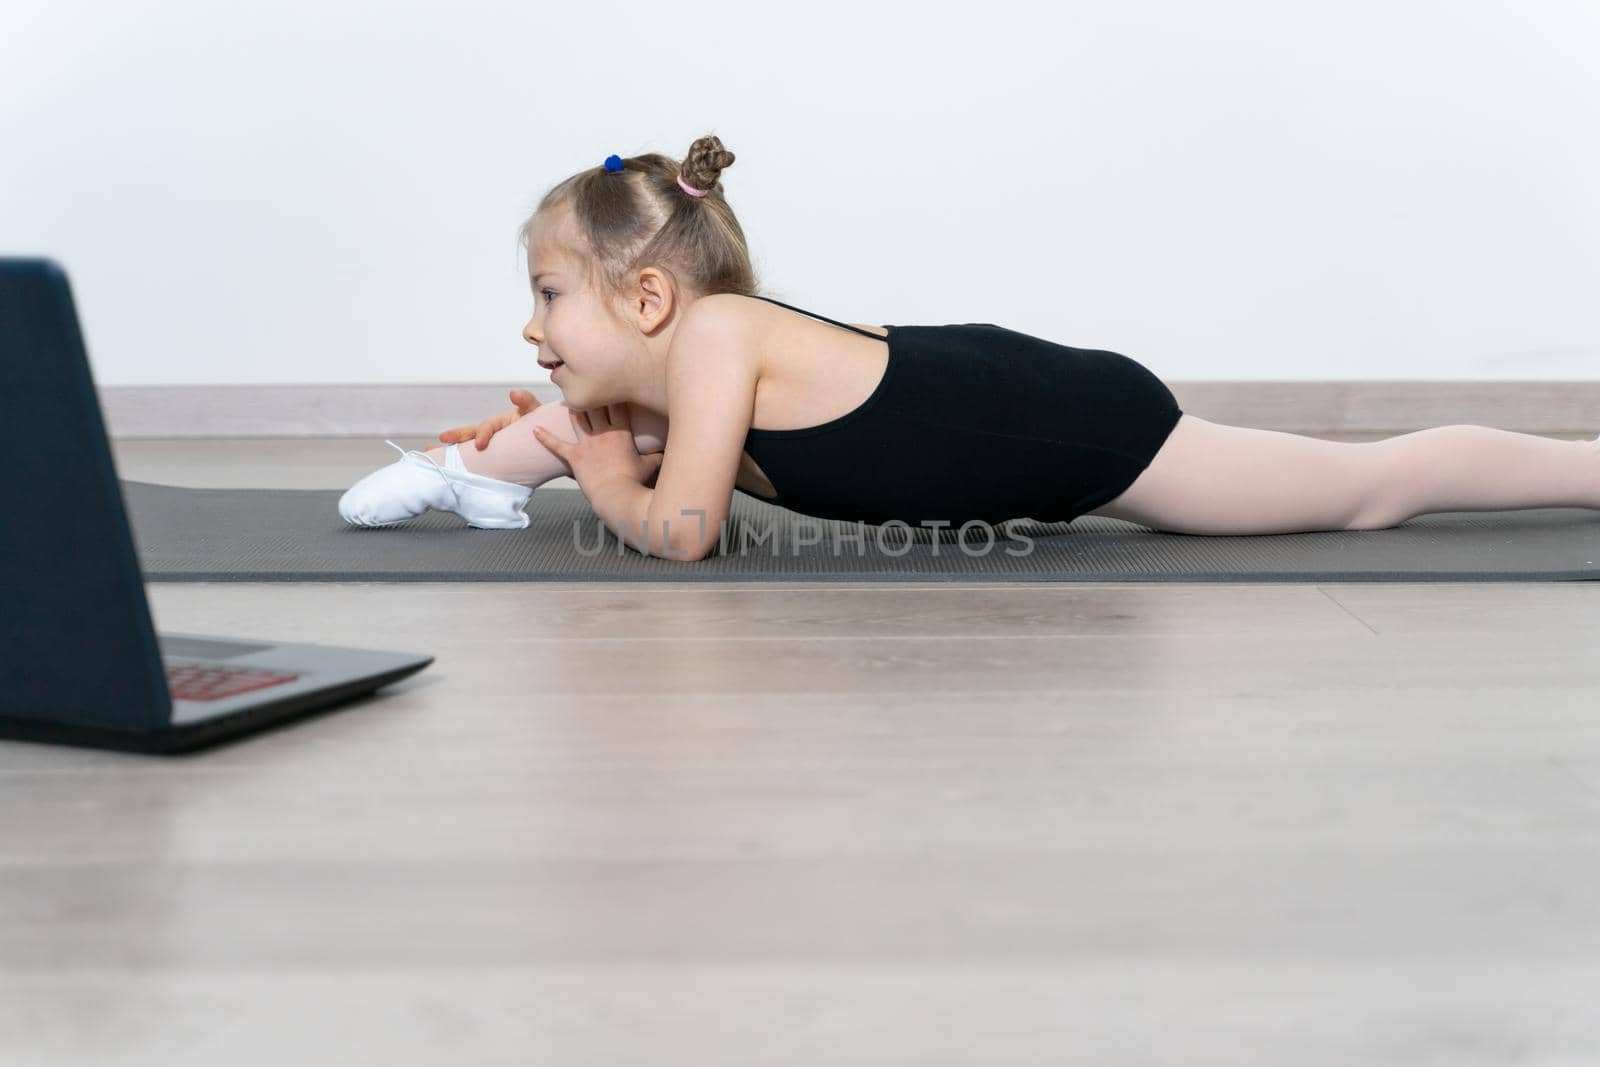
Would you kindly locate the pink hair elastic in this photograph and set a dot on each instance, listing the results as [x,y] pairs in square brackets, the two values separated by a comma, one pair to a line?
[691,190]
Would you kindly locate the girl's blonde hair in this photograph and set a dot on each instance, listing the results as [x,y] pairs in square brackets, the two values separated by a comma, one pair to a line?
[640,216]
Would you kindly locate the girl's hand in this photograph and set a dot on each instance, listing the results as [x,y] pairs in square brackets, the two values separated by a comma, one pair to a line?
[604,449]
[486,429]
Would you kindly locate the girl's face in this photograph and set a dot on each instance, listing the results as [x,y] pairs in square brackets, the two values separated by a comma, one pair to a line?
[583,345]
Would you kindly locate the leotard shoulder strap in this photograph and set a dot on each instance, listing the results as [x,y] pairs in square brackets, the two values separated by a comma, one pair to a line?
[824,318]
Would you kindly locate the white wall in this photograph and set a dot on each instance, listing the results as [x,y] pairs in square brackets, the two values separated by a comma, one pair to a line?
[329,192]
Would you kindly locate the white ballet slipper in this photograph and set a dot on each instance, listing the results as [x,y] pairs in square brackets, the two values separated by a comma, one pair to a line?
[414,483]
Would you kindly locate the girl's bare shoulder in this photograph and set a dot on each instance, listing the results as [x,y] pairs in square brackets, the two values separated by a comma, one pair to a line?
[805,368]
[766,328]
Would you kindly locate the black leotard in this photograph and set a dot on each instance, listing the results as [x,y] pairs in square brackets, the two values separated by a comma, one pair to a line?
[974,421]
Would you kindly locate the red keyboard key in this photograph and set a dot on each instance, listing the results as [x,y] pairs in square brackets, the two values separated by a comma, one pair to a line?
[194,682]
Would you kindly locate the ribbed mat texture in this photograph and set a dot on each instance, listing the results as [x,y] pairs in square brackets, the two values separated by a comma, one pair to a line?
[296,535]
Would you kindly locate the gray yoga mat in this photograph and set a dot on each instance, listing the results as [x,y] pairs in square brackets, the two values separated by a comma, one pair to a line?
[296,535]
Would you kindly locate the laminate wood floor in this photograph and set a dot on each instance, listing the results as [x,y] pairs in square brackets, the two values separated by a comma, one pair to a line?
[725,824]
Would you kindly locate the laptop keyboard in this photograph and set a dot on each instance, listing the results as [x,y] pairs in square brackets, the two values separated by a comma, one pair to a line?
[189,681]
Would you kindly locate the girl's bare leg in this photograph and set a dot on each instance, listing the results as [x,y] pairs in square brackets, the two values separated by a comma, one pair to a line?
[1215,479]
[513,454]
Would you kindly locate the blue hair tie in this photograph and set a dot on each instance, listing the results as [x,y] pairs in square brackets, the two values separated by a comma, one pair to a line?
[613,163]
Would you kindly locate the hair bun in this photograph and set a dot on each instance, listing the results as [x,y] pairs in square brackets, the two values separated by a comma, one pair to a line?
[706,161]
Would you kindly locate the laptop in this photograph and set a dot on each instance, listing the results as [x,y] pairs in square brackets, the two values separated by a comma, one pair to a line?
[80,660]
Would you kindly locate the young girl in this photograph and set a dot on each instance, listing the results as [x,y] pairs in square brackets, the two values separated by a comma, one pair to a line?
[645,303]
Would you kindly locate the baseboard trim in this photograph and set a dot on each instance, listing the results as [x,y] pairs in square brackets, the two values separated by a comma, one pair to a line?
[1552,407]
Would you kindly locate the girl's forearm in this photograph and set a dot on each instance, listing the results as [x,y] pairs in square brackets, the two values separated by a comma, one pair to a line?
[623,505]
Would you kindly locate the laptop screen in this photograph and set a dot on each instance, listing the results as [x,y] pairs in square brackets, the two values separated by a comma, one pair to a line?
[77,644]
